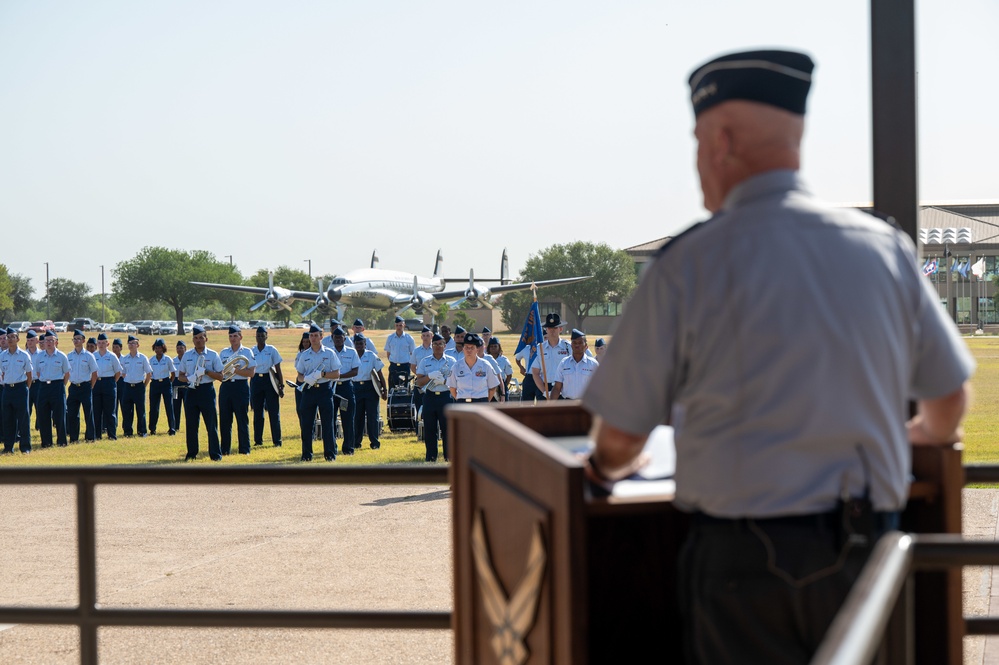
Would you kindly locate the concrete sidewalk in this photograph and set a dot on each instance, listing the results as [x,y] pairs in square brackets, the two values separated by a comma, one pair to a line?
[980,521]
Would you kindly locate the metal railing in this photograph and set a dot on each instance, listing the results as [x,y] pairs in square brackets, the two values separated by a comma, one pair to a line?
[877,615]
[88,616]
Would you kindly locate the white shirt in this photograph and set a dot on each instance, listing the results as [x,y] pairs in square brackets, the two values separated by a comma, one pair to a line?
[575,376]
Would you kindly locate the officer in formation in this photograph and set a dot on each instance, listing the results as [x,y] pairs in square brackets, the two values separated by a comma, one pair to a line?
[574,373]
[431,378]
[200,368]
[480,351]
[116,350]
[365,394]
[52,368]
[472,379]
[31,346]
[486,335]
[234,395]
[92,344]
[495,351]
[399,348]
[82,378]
[161,387]
[136,373]
[458,340]
[16,370]
[445,332]
[792,449]
[555,350]
[3,349]
[343,402]
[263,398]
[601,346]
[419,353]
[179,387]
[358,329]
[317,366]
[106,390]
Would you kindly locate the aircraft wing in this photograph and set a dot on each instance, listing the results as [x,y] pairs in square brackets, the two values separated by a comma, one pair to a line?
[507,288]
[259,290]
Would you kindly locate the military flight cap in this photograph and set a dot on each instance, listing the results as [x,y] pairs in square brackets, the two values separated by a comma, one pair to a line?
[493,341]
[92,341]
[197,330]
[436,338]
[399,319]
[777,78]
[305,334]
[458,330]
[31,334]
[334,323]
[233,330]
[473,339]
[116,342]
[159,342]
[262,329]
[358,322]
[11,331]
[50,333]
[337,332]
[426,329]
[78,333]
[180,342]
[486,330]
[314,328]
[102,336]
[133,338]
[576,334]
[553,320]
[359,338]
[600,342]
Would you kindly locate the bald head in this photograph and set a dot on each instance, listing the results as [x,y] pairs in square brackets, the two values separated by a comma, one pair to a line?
[739,139]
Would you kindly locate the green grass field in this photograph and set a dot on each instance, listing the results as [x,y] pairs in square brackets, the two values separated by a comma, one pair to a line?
[981,425]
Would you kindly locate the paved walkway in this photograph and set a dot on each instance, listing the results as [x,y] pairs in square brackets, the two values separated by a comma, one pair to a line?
[980,520]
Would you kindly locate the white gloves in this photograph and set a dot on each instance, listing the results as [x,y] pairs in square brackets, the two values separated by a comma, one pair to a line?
[312,378]
[199,372]
[436,376]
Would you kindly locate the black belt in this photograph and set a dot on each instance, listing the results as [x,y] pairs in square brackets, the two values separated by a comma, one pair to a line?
[49,383]
[882,520]
[16,383]
[159,380]
[139,383]
[473,399]
[398,364]
[261,374]
[77,385]
[437,392]
[105,378]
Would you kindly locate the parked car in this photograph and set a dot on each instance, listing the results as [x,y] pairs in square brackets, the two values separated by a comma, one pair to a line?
[219,325]
[84,324]
[42,326]
[123,328]
[147,327]
[168,327]
[61,326]
[207,324]
[189,327]
[19,326]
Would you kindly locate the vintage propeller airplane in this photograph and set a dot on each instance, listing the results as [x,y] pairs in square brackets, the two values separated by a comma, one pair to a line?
[374,288]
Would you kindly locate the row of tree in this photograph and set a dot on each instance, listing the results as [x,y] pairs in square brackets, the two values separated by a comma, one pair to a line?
[155,285]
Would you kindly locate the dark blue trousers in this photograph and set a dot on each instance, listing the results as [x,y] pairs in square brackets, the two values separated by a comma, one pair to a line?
[366,400]
[346,409]
[318,398]
[16,420]
[80,395]
[105,398]
[433,420]
[200,405]
[234,401]
[51,408]
[263,398]
[179,393]
[133,403]
[160,389]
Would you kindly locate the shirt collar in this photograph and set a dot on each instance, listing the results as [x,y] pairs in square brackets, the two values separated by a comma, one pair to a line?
[763,184]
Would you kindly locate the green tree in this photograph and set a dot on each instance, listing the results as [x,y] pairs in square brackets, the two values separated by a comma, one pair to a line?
[21,293]
[6,291]
[68,299]
[159,274]
[613,278]
[461,318]
[514,308]
[289,278]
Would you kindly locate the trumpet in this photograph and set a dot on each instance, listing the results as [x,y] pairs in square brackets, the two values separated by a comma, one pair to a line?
[201,365]
[231,365]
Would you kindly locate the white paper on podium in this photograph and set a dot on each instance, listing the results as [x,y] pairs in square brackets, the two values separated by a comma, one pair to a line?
[654,478]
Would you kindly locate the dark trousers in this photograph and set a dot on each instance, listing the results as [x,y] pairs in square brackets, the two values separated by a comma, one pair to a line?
[118,413]
[80,395]
[396,370]
[433,419]
[763,591]
[264,399]
[346,408]
[16,421]
[318,398]
[133,404]
[179,393]
[529,391]
[105,398]
[160,389]
[366,400]
[33,399]
[234,402]
[200,405]
[51,409]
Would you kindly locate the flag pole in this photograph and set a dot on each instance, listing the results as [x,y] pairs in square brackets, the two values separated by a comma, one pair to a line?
[541,344]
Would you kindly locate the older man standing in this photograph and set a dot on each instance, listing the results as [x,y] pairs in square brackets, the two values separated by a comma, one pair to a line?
[792,446]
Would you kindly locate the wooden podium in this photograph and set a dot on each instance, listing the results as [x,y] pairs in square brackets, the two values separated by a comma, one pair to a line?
[547,573]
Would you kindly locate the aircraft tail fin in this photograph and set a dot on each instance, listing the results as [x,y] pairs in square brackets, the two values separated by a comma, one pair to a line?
[438,263]
[374,259]
[505,269]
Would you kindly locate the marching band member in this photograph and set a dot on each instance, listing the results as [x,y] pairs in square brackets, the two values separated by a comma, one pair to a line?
[574,373]
[319,366]
[82,377]
[105,393]
[199,369]
[399,349]
[345,406]
[365,395]
[53,368]
[419,353]
[135,371]
[234,395]
[161,387]
[17,370]
[472,379]
[262,395]
[430,377]
[359,330]
[495,351]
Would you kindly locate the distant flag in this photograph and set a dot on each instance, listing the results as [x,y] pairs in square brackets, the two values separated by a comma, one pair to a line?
[979,268]
[930,267]
[962,269]
[953,266]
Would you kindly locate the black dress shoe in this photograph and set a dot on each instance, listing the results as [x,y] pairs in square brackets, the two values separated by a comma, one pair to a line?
[216,459]
[246,453]
[189,458]
[152,431]
[348,452]
[145,435]
[259,443]
[331,458]
[306,458]
[6,452]
[25,452]
[171,432]
[376,446]
[62,445]
[112,438]
[277,445]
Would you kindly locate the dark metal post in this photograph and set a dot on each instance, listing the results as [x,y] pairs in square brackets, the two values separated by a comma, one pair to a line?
[309,261]
[86,539]
[103,308]
[893,102]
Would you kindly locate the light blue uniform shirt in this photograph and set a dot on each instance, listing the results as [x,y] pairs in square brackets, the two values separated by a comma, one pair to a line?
[348,359]
[430,364]
[53,367]
[419,353]
[506,368]
[575,376]
[161,368]
[107,365]
[82,366]
[367,364]
[192,359]
[553,356]
[16,365]
[400,347]
[472,382]
[227,353]
[265,358]
[309,361]
[134,368]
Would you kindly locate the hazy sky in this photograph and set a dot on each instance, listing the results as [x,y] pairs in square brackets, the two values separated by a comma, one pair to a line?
[283,131]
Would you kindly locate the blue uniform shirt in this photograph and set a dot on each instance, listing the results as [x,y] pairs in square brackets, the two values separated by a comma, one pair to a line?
[367,364]
[53,367]
[265,358]
[16,365]
[575,376]
[472,382]
[82,366]
[135,368]
[430,364]
[192,360]
[107,365]
[399,347]
[348,359]
[161,368]
[326,359]
[419,353]
[227,353]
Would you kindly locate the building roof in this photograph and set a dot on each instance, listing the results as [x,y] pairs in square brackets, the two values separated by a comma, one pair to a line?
[648,248]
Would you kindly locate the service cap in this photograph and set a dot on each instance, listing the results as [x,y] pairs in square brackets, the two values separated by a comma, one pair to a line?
[576,334]
[777,78]
[473,339]
[553,320]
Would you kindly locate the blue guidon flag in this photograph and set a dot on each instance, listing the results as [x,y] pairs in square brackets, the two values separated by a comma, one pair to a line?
[531,336]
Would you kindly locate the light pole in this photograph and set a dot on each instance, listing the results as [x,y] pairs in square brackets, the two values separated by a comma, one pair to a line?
[228,256]
[309,261]
[102,296]
[47,313]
